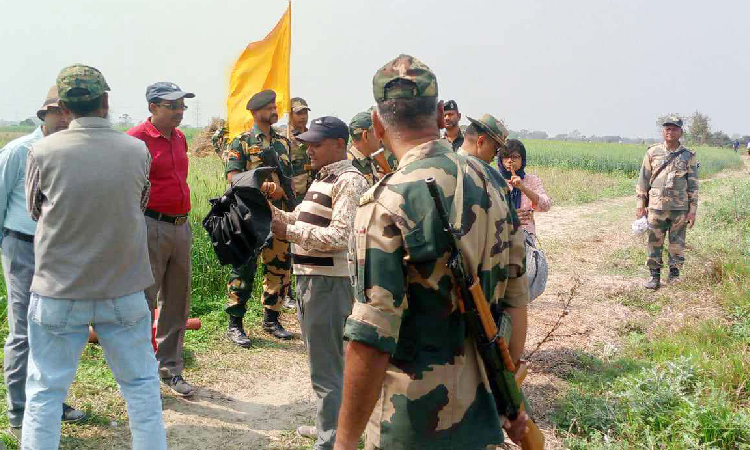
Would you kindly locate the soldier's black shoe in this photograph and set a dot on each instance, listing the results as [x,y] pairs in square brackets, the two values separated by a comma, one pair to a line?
[236,333]
[272,326]
[655,280]
[674,275]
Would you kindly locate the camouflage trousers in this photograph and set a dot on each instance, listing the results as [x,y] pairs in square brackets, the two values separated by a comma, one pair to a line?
[277,280]
[659,223]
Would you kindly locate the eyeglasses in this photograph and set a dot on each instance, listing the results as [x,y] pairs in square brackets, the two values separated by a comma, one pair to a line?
[173,106]
[513,157]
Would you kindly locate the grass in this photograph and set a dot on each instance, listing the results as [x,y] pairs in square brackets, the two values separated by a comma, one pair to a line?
[95,389]
[617,158]
[680,390]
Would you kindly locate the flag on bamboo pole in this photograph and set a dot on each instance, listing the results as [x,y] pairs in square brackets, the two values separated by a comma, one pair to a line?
[263,65]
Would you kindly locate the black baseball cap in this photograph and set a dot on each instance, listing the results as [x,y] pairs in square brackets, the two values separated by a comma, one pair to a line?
[450,105]
[326,127]
[165,90]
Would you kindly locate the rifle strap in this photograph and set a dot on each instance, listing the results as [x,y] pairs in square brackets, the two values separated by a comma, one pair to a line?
[664,166]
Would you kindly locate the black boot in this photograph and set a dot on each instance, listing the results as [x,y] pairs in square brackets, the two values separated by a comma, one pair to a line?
[272,325]
[674,275]
[236,333]
[655,280]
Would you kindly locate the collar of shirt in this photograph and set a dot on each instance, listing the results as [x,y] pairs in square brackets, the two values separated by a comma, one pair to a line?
[154,132]
[259,133]
[459,135]
[335,168]
[356,153]
[679,147]
[426,150]
[90,122]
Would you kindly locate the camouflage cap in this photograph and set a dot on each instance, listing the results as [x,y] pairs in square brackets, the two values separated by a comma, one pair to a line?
[298,104]
[360,122]
[494,127]
[672,120]
[80,83]
[408,68]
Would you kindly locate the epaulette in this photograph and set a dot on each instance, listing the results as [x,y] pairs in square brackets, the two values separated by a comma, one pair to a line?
[369,195]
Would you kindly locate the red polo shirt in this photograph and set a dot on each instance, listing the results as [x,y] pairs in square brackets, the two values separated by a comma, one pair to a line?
[170,193]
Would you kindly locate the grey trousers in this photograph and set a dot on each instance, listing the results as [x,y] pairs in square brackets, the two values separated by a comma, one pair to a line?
[323,304]
[18,269]
[169,252]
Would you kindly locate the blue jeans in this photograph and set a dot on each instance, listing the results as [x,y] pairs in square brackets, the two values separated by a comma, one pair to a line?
[58,331]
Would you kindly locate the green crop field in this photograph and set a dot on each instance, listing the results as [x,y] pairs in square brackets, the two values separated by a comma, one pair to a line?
[622,159]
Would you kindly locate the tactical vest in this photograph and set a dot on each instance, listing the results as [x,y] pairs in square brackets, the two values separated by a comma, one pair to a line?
[317,209]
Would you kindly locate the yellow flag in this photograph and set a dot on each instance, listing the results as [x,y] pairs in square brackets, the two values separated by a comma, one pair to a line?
[263,65]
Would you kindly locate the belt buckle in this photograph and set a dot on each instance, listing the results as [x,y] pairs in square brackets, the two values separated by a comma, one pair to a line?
[180,220]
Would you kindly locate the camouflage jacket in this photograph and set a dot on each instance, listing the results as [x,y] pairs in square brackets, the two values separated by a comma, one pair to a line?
[435,394]
[244,152]
[675,188]
[302,178]
[364,164]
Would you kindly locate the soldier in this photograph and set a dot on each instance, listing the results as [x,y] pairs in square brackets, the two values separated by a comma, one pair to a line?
[484,138]
[452,130]
[302,176]
[245,153]
[667,193]
[219,139]
[408,348]
[364,144]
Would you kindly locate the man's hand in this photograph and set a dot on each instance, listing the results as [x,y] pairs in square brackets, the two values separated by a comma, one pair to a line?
[272,191]
[690,219]
[279,229]
[517,429]
[640,212]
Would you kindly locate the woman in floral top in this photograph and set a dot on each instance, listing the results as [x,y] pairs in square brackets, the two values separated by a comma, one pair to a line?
[527,193]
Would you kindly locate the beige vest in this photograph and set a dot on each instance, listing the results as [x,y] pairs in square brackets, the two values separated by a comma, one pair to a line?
[317,209]
[90,242]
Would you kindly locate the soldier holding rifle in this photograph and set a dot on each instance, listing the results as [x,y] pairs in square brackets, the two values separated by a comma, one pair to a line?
[411,367]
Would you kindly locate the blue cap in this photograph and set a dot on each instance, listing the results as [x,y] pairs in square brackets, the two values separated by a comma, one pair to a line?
[165,90]
[327,127]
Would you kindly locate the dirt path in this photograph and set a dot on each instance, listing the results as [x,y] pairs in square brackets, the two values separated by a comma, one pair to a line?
[255,399]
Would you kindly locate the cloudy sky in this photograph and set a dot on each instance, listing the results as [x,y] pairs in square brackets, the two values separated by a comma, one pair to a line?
[605,67]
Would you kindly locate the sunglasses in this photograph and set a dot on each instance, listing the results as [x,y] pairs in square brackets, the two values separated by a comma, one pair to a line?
[173,106]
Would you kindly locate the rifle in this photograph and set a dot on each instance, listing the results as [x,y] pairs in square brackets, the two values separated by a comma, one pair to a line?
[271,159]
[379,158]
[502,375]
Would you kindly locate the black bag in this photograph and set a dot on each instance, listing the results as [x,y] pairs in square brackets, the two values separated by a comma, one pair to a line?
[239,222]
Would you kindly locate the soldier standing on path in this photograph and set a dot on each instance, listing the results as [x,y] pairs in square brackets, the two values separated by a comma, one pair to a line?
[452,129]
[667,193]
[410,366]
[364,144]
[245,152]
[302,176]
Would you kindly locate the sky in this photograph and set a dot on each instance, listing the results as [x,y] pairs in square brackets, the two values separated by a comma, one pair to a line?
[603,67]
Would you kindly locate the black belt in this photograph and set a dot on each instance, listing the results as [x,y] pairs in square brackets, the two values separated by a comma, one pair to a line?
[177,220]
[18,235]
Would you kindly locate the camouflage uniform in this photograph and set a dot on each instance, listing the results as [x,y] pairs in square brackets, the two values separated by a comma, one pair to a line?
[669,198]
[435,393]
[243,153]
[364,164]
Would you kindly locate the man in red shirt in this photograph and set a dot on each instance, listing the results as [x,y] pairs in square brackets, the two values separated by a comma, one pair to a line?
[169,233]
